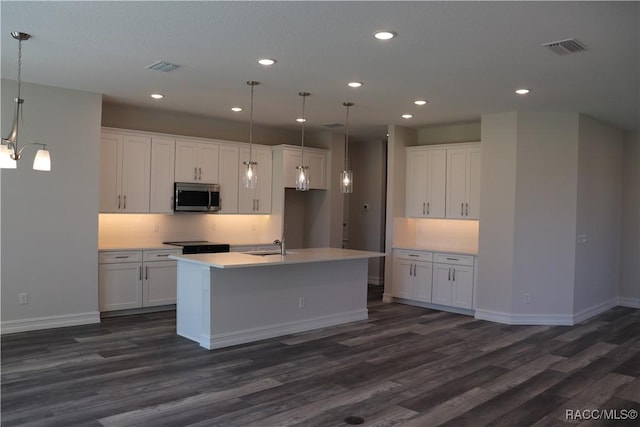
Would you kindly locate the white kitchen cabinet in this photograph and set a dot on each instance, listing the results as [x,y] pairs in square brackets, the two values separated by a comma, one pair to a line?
[228,174]
[453,280]
[196,162]
[463,183]
[258,200]
[125,163]
[316,159]
[162,175]
[135,279]
[413,275]
[426,182]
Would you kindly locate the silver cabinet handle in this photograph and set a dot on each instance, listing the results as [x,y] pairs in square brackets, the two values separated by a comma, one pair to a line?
[200,174]
[122,256]
[428,209]
[414,255]
[124,204]
[461,208]
[162,255]
[449,274]
[258,204]
[453,259]
[414,269]
[195,174]
[171,202]
[119,197]
[423,208]
[454,274]
[253,207]
[139,273]
[466,208]
[146,273]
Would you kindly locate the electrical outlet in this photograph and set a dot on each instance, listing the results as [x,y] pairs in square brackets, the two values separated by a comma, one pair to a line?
[526,298]
[24,298]
[301,302]
[581,239]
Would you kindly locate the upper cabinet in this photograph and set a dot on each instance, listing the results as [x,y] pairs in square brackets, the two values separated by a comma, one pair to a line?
[162,175]
[228,168]
[426,177]
[443,181]
[125,163]
[314,158]
[258,200]
[197,162]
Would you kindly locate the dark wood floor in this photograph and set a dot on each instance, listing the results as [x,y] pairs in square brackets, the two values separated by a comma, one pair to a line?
[405,366]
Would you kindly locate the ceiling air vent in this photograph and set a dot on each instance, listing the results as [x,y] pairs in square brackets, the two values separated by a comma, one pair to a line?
[332,125]
[564,47]
[162,66]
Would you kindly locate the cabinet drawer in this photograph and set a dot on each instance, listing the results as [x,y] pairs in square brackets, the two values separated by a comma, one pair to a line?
[109,257]
[413,255]
[453,259]
[160,255]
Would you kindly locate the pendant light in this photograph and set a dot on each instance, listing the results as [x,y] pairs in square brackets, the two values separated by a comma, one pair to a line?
[346,176]
[250,177]
[9,152]
[302,171]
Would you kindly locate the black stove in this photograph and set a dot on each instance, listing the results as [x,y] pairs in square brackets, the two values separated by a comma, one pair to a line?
[200,246]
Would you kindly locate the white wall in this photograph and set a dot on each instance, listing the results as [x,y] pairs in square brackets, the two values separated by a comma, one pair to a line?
[49,228]
[446,134]
[497,218]
[629,289]
[597,264]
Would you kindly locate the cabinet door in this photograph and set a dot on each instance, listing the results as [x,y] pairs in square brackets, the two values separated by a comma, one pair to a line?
[473,183]
[208,157]
[110,172]
[423,280]
[462,279]
[162,175]
[186,161]
[228,179]
[264,158]
[403,279]
[416,187]
[456,182]
[442,285]
[120,286]
[159,283]
[291,160]
[136,173]
[318,169]
[436,183]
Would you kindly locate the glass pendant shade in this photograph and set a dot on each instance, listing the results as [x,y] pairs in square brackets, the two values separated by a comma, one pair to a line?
[302,181]
[346,182]
[42,161]
[250,178]
[6,162]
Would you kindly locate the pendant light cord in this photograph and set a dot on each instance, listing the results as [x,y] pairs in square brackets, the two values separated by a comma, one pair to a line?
[251,123]
[346,137]
[19,67]
[304,98]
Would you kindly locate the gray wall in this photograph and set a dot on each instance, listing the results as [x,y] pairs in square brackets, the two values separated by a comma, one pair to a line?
[597,265]
[629,289]
[49,224]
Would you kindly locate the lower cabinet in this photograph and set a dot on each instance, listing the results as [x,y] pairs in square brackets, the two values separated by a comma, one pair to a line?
[413,275]
[135,279]
[438,278]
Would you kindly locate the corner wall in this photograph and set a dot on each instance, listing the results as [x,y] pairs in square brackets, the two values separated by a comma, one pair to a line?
[629,287]
[49,228]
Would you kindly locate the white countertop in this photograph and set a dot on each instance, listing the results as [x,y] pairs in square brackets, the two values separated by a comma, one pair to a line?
[442,249]
[294,256]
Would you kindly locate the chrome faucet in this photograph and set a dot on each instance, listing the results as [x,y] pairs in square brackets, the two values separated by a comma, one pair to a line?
[283,248]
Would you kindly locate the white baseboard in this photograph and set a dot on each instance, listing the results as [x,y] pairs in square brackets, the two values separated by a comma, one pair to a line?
[48,322]
[524,319]
[375,280]
[387,297]
[629,302]
[595,310]
[271,331]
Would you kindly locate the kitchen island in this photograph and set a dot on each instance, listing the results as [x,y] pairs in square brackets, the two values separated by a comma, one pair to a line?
[225,299]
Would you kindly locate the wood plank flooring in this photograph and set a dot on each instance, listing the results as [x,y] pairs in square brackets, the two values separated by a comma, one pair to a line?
[405,366]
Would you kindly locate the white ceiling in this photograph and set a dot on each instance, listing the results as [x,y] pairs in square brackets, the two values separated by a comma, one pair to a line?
[466,58]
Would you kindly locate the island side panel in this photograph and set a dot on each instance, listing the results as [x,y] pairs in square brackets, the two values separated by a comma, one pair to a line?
[249,304]
[193,311]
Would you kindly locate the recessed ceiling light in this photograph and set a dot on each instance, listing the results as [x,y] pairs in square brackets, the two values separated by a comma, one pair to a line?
[407,116]
[384,35]
[354,84]
[157,95]
[266,61]
[420,102]
[236,109]
[522,91]
[301,120]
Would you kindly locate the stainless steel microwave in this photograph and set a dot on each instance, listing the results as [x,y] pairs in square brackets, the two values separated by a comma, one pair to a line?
[190,197]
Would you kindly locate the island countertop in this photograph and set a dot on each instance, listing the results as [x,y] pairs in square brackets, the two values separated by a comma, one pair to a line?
[293,256]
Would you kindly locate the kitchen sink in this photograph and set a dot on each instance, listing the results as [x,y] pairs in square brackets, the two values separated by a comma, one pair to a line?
[264,253]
